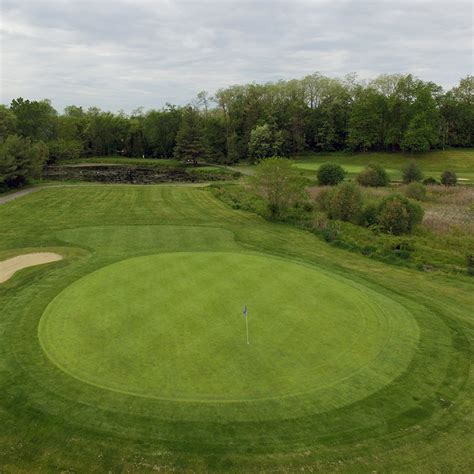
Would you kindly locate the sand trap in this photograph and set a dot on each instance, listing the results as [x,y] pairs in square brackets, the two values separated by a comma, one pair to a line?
[10,266]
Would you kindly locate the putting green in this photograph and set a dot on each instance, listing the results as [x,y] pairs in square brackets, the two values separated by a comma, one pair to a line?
[170,327]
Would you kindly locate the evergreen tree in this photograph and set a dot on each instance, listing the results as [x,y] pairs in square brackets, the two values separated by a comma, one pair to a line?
[190,143]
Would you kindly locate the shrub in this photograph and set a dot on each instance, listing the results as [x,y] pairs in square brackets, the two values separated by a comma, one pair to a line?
[330,233]
[400,249]
[322,198]
[449,178]
[20,160]
[397,215]
[369,215]
[64,150]
[373,175]
[430,181]
[344,202]
[415,191]
[404,245]
[411,173]
[279,184]
[330,174]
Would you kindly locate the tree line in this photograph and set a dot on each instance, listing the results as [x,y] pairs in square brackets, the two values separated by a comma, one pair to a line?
[253,121]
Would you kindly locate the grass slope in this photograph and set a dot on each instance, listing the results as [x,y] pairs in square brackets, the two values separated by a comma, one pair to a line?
[412,410]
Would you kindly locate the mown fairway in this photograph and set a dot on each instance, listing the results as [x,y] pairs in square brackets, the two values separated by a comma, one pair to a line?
[432,164]
[130,354]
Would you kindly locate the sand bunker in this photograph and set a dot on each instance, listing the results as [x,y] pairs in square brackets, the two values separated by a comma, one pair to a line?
[10,266]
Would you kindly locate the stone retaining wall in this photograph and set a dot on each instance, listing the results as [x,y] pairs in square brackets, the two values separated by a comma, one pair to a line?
[130,174]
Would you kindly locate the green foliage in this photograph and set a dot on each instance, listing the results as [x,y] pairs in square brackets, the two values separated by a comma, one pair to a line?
[190,144]
[134,141]
[397,215]
[392,112]
[20,160]
[260,143]
[38,156]
[412,173]
[369,215]
[449,178]
[430,181]
[279,183]
[457,113]
[423,129]
[264,142]
[34,119]
[8,122]
[415,191]
[400,248]
[215,136]
[344,202]
[66,150]
[366,119]
[105,133]
[256,121]
[160,128]
[374,175]
[440,252]
[330,174]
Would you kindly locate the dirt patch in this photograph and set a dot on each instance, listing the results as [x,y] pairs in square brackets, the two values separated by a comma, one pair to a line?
[10,266]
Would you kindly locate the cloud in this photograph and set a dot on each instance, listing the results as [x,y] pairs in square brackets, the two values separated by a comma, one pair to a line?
[121,54]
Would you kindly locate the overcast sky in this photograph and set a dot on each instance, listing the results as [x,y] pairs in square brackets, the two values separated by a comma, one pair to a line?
[122,54]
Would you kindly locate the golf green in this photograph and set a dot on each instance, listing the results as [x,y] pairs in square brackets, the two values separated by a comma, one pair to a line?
[170,327]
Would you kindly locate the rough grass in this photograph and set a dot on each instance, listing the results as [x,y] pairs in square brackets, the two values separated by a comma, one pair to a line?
[420,421]
[440,243]
[450,211]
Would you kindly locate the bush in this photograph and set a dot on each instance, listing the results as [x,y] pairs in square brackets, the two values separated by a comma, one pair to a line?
[373,175]
[369,215]
[416,191]
[412,173]
[344,202]
[330,233]
[402,249]
[397,215]
[20,160]
[63,150]
[279,184]
[430,181]
[330,174]
[323,199]
[449,178]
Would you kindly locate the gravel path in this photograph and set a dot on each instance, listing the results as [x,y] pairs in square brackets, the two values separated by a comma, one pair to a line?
[23,192]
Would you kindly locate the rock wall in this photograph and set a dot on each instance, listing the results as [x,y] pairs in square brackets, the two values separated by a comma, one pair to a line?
[130,174]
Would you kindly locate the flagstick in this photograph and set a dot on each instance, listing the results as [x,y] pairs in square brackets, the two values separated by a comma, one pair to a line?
[247,326]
